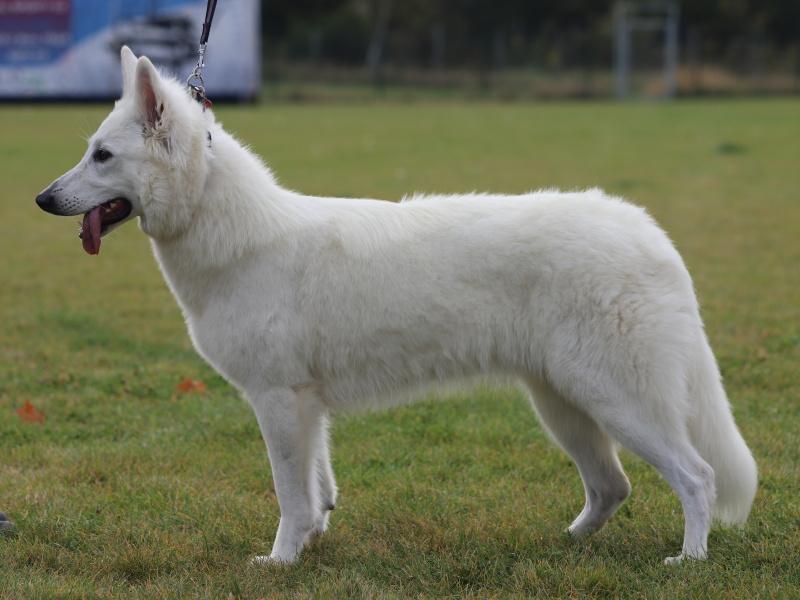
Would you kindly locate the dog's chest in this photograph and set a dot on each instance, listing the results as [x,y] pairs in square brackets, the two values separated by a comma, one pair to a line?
[248,343]
[241,319]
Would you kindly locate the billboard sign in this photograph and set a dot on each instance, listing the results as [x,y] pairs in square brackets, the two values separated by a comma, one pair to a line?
[69,49]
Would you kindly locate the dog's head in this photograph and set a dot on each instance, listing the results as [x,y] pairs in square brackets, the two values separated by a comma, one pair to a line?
[148,159]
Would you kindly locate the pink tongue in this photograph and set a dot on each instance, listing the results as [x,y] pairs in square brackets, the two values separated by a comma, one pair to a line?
[90,233]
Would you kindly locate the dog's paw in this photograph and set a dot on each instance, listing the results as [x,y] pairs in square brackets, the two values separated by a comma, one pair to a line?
[269,561]
[682,557]
[579,531]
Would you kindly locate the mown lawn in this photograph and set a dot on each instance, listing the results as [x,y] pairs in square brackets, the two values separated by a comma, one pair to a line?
[130,489]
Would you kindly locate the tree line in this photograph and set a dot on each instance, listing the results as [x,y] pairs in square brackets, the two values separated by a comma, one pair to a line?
[507,33]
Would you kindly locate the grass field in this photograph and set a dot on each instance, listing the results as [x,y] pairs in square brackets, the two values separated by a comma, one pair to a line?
[130,489]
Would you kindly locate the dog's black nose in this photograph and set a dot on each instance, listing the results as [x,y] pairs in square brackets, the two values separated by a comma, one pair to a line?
[46,201]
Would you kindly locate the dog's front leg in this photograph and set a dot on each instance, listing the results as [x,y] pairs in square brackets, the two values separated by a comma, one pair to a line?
[289,423]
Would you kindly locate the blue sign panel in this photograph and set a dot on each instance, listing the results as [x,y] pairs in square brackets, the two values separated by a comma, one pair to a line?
[70,48]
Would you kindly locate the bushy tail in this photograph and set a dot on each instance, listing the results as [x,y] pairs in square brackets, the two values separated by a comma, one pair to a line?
[717,439]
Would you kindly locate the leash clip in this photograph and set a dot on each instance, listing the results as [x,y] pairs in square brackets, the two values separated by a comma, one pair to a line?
[195,82]
[197,87]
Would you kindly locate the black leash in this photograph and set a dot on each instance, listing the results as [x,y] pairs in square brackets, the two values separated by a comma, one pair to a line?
[195,82]
[210,8]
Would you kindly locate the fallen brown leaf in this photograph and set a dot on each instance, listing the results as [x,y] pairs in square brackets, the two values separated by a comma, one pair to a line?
[30,414]
[187,386]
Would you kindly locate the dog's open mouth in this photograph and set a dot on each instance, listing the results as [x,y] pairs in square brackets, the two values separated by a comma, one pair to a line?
[97,222]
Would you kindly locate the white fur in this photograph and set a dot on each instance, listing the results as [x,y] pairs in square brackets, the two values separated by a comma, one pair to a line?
[313,305]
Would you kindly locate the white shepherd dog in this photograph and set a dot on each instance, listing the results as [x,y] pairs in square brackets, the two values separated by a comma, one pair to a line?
[314,305]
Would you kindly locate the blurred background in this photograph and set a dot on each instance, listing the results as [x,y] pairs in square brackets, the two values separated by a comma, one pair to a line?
[543,48]
[320,49]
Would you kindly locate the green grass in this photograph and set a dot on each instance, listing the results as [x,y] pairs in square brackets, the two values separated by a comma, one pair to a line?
[131,490]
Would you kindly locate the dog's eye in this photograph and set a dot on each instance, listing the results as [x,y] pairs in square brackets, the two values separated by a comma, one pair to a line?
[101,155]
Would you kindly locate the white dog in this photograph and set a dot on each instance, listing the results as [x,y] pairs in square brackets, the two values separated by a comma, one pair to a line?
[313,305]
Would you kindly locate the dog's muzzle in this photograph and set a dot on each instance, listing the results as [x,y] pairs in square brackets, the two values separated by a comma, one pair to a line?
[47,201]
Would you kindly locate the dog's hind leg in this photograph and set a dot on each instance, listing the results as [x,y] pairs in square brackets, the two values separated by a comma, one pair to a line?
[594,453]
[652,426]
[292,424]
[681,465]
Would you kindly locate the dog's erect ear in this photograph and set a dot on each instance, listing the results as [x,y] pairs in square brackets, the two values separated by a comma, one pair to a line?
[149,96]
[128,61]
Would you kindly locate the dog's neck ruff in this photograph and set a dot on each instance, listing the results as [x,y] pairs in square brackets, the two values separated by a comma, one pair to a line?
[239,208]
